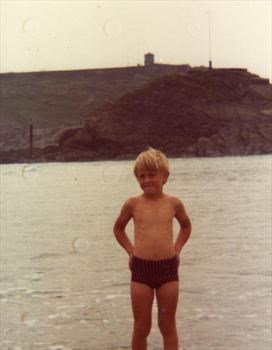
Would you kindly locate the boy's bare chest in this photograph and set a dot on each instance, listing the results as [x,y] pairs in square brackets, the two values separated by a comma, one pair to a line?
[158,214]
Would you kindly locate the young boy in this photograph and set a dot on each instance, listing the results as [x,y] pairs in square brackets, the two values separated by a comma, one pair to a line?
[154,257]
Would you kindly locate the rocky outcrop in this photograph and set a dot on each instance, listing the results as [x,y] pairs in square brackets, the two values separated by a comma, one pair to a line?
[202,113]
[205,113]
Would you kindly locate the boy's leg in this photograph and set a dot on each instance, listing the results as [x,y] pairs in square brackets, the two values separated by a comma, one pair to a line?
[167,299]
[142,299]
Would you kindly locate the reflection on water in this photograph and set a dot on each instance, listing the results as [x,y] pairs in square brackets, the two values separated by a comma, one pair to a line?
[65,281]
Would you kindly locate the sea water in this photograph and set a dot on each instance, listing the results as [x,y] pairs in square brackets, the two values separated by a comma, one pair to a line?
[65,280]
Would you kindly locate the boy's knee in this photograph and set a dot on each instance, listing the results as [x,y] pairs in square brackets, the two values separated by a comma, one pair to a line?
[142,329]
[167,328]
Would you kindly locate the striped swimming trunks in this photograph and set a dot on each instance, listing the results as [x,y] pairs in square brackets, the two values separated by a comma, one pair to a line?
[154,273]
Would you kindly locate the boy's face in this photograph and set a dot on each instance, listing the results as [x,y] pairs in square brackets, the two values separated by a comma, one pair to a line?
[151,181]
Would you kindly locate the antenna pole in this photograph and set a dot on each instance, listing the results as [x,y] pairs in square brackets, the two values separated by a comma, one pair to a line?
[210,46]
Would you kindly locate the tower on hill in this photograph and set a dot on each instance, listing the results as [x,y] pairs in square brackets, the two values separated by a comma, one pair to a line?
[148,59]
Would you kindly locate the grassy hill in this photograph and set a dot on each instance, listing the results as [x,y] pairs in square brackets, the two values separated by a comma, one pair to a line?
[67,98]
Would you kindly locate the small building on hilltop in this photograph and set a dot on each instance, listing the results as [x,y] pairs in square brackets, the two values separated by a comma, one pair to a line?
[149,59]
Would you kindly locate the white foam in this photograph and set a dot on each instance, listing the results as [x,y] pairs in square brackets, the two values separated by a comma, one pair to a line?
[59,347]
[214,292]
[59,315]
[242,297]
[250,316]
[112,296]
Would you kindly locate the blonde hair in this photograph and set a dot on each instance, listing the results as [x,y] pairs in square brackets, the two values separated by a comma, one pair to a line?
[152,160]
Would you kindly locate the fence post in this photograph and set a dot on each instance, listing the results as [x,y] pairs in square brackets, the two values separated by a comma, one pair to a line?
[30,140]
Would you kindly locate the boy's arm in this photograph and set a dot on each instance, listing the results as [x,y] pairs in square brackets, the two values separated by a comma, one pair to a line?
[119,227]
[185,226]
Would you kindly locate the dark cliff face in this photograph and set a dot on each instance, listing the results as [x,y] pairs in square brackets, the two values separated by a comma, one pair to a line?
[201,113]
[204,113]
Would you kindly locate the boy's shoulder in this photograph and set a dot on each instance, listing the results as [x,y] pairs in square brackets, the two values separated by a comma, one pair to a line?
[132,201]
[173,199]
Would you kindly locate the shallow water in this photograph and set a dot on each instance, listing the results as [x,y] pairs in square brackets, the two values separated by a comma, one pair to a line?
[65,281]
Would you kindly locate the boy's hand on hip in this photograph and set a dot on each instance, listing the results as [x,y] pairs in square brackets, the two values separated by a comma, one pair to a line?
[178,259]
[130,261]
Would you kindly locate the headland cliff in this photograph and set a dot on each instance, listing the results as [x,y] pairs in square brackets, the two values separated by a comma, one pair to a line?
[116,113]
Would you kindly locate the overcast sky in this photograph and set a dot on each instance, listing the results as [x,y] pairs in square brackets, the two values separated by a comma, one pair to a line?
[63,35]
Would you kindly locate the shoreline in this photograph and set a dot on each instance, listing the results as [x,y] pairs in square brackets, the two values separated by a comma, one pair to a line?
[130,159]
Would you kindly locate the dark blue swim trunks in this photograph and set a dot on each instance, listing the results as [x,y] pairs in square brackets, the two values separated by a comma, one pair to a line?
[154,273]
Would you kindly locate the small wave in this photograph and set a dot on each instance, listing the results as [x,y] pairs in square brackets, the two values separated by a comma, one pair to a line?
[45,256]
[53,293]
